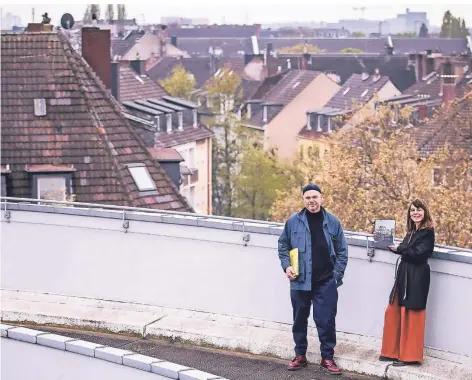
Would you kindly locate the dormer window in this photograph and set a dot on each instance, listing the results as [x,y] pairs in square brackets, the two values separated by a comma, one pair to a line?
[51,182]
[308,122]
[195,118]
[169,122]
[181,121]
[318,123]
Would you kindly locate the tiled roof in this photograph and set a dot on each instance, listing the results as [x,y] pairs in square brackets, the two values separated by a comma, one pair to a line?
[451,126]
[430,87]
[138,87]
[280,90]
[374,45]
[83,126]
[200,47]
[165,154]
[188,134]
[120,46]
[146,112]
[397,68]
[209,31]
[311,134]
[357,90]
[201,67]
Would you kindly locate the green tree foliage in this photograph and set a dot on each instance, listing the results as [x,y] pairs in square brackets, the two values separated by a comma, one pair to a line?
[453,27]
[358,35]
[351,51]
[180,83]
[424,33]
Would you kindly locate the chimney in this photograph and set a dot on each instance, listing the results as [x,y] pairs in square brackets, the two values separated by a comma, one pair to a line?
[163,34]
[422,112]
[304,61]
[138,66]
[449,92]
[34,27]
[258,29]
[173,40]
[448,82]
[96,51]
[115,80]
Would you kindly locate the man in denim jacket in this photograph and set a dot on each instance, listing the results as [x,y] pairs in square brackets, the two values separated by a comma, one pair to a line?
[322,251]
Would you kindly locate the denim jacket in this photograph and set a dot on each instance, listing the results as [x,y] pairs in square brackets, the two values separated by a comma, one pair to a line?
[296,234]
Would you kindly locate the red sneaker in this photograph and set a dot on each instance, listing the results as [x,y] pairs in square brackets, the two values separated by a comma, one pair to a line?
[331,367]
[298,363]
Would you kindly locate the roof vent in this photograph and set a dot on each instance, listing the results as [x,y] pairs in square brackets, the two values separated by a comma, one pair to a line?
[139,79]
[296,85]
[364,93]
[39,107]
[346,91]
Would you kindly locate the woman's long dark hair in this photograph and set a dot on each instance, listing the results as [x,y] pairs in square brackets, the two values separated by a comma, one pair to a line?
[427,221]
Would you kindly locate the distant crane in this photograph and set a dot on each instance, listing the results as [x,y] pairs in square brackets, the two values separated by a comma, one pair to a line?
[362,9]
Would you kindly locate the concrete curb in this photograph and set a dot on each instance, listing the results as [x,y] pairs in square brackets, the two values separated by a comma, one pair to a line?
[353,353]
[110,354]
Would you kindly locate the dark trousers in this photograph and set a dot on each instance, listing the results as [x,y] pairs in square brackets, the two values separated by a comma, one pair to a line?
[325,304]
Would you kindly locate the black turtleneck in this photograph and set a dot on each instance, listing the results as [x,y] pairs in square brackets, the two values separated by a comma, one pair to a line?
[322,265]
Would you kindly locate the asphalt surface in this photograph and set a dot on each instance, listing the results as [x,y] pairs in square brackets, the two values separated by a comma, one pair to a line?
[231,365]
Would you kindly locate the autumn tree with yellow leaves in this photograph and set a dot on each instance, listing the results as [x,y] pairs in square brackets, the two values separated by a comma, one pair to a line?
[374,171]
[180,83]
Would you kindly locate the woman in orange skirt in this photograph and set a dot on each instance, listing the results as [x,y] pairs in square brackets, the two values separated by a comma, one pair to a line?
[403,335]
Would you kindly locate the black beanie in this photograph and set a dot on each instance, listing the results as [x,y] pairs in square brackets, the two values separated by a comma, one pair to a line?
[311,187]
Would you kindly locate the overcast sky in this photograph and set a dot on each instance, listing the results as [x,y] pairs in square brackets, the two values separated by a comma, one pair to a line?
[265,11]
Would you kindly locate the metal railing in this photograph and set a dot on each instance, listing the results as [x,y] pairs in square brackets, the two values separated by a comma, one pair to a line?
[351,234]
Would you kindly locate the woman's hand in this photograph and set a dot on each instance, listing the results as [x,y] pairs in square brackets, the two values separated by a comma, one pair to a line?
[393,247]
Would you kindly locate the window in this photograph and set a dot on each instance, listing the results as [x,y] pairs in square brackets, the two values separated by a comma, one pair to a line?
[191,198]
[310,151]
[191,158]
[4,186]
[50,187]
[141,177]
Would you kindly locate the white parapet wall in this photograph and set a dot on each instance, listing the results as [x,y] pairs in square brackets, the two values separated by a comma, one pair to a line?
[206,264]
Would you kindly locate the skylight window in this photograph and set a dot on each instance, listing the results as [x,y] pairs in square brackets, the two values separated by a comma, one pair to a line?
[296,85]
[139,79]
[141,177]
[364,93]
[346,91]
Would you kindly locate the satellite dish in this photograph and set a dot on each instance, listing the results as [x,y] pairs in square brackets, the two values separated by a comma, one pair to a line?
[67,21]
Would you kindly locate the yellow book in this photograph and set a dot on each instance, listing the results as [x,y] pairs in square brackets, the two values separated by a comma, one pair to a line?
[294,261]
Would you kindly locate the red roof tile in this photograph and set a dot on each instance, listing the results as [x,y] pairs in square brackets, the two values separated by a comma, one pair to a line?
[165,154]
[83,126]
[451,127]
[138,87]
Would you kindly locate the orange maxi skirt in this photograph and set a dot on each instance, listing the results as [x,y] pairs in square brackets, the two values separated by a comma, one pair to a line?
[403,334]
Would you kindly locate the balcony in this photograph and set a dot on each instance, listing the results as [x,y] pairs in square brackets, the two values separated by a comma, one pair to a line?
[219,283]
